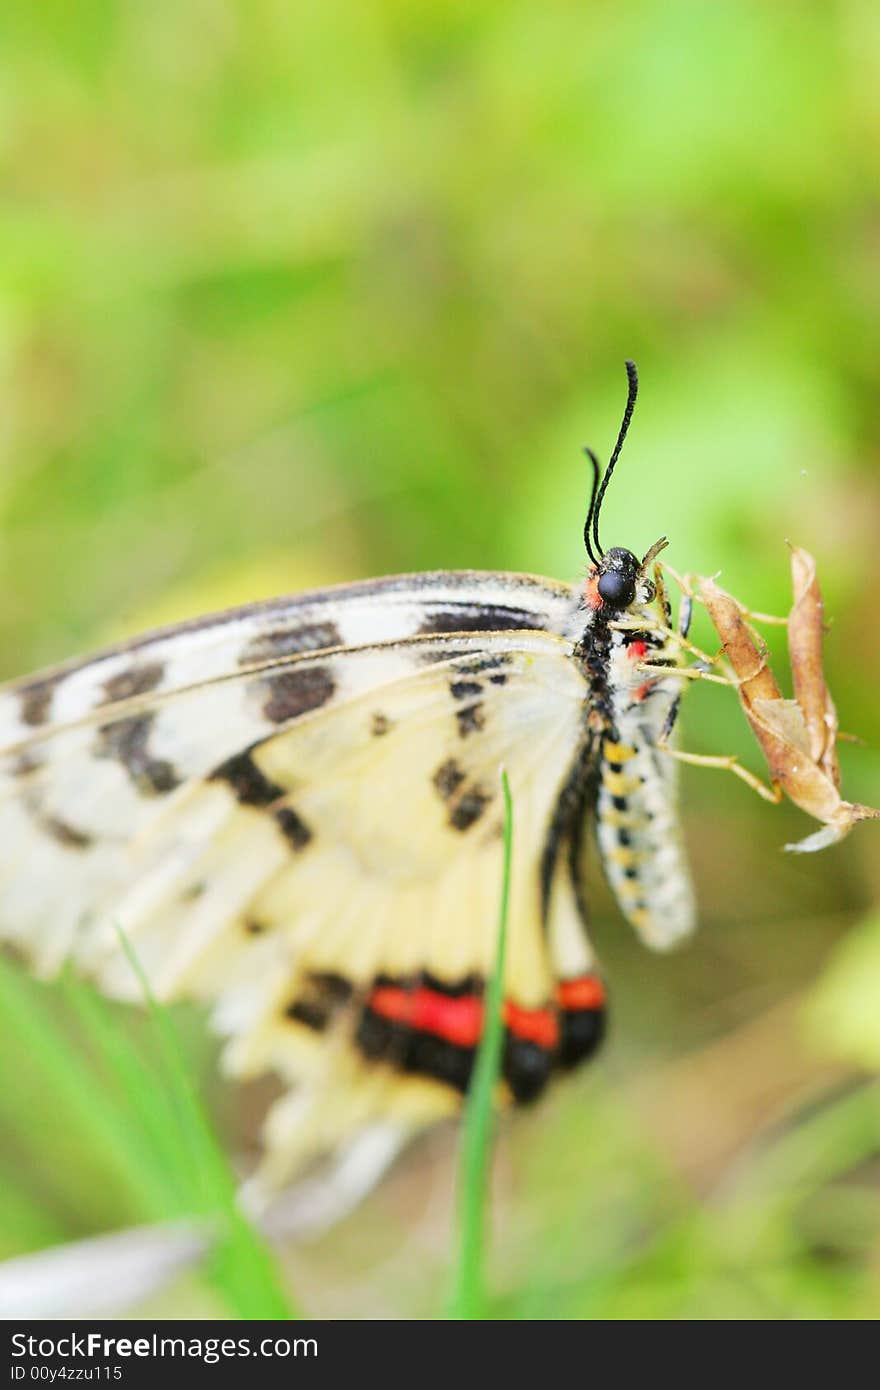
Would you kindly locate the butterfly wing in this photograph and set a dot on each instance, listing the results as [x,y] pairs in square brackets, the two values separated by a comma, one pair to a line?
[308,837]
[218,648]
[90,752]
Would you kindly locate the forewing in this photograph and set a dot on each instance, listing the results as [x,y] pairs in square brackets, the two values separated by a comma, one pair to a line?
[219,648]
[90,753]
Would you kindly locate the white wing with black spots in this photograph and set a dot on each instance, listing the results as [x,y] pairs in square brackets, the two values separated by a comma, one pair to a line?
[220,647]
[360,843]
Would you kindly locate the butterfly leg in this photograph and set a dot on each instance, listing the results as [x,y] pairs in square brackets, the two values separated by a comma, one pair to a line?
[663,629]
[685,613]
[729,763]
[686,583]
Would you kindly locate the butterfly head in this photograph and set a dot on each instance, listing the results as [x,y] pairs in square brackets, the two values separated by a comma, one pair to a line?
[620,580]
[617,579]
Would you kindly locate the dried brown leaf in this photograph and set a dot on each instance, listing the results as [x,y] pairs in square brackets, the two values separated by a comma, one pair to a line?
[805,631]
[797,736]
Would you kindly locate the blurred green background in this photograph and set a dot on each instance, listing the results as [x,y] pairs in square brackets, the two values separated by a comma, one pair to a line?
[294,294]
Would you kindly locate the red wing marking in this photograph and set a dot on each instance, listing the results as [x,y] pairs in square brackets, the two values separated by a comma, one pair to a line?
[587,992]
[458,1020]
[533,1025]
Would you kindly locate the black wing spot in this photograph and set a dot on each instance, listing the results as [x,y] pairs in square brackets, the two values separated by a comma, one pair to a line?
[251,786]
[469,807]
[292,693]
[36,699]
[324,994]
[138,680]
[308,637]
[450,989]
[580,1034]
[293,827]
[380,724]
[470,719]
[448,778]
[479,618]
[333,985]
[308,1012]
[478,665]
[127,740]
[464,690]
[527,1067]
[67,834]
[428,657]
[421,1054]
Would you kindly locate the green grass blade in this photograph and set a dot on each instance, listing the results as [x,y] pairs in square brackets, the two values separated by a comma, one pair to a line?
[241,1266]
[210,1178]
[468,1296]
[130,1086]
[46,1057]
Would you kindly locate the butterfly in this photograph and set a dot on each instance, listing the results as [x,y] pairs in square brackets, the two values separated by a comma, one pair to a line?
[292,811]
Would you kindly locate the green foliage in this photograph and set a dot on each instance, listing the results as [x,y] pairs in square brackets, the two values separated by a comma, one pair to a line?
[88,1097]
[239,1263]
[844,1016]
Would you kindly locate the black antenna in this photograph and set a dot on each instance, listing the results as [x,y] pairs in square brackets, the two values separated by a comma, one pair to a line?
[633,378]
[595,462]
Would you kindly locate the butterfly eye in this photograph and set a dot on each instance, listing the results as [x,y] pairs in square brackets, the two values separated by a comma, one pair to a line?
[616,589]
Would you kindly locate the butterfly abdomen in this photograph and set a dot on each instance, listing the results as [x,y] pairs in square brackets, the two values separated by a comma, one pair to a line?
[637,824]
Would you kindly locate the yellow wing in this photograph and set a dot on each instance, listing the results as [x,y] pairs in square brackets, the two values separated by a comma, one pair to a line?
[331,889]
